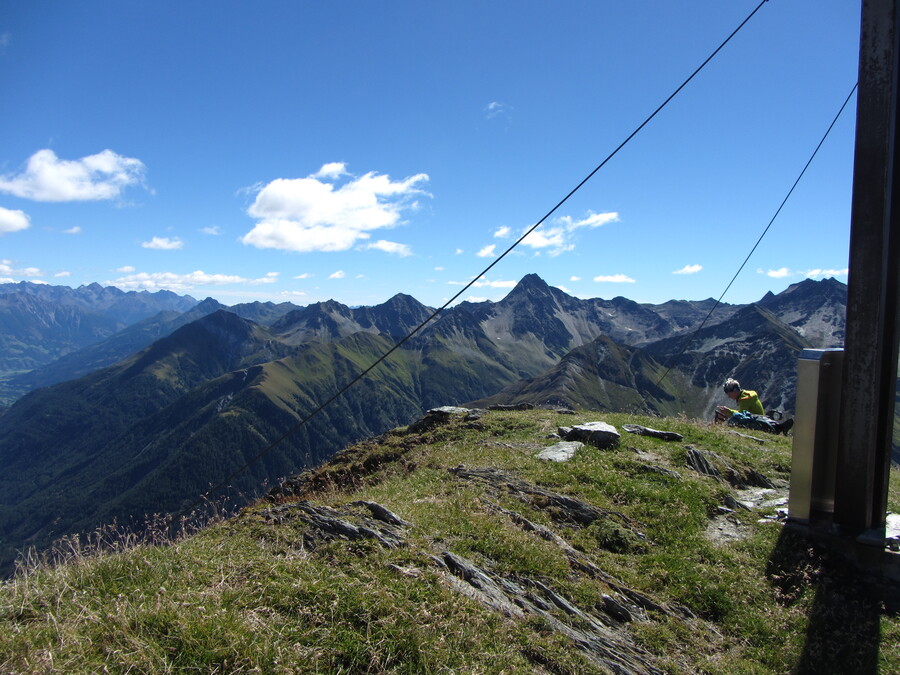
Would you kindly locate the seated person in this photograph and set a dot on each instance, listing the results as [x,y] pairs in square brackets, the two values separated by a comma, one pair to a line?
[750,412]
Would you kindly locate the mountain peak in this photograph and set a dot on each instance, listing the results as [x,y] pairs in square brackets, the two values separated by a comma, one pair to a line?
[530,287]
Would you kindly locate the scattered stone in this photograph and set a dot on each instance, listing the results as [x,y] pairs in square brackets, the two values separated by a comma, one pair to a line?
[616,609]
[606,647]
[752,438]
[382,513]
[735,505]
[564,411]
[437,417]
[724,529]
[327,524]
[515,406]
[560,452]
[598,434]
[655,433]
[560,507]
[699,462]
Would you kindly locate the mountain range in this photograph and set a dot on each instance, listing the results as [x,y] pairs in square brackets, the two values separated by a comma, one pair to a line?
[174,396]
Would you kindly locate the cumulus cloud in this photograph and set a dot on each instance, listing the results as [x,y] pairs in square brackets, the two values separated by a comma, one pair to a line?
[401,250]
[689,269]
[62,274]
[331,171]
[821,274]
[777,274]
[182,283]
[12,220]
[558,236]
[502,232]
[127,269]
[614,279]
[214,230]
[46,178]
[305,275]
[484,283]
[487,251]
[591,220]
[340,274]
[574,278]
[552,238]
[73,230]
[163,244]
[8,270]
[312,214]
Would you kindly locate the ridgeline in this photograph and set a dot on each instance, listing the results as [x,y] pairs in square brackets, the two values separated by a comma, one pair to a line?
[451,546]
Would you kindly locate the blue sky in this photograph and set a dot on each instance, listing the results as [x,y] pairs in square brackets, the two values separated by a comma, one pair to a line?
[304,151]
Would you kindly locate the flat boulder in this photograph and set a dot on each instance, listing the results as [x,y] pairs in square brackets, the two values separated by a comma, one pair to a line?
[598,434]
[560,452]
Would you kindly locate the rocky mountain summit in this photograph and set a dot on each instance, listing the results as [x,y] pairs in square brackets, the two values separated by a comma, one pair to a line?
[468,542]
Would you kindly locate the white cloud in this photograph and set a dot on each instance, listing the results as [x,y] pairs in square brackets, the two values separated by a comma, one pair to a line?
[591,220]
[46,178]
[214,230]
[163,244]
[689,269]
[270,278]
[62,274]
[565,290]
[7,269]
[495,109]
[482,283]
[305,275]
[308,214]
[487,251]
[558,237]
[438,269]
[458,251]
[820,273]
[12,220]
[73,230]
[127,269]
[778,274]
[503,232]
[553,238]
[615,279]
[332,171]
[573,278]
[401,250]
[179,282]
[340,274]
[476,298]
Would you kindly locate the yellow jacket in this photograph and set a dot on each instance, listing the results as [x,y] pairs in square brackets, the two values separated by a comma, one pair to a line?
[749,401]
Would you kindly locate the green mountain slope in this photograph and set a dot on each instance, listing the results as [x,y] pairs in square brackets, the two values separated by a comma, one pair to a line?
[153,433]
[454,548]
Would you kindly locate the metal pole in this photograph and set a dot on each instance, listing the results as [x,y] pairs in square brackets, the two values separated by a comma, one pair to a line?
[870,360]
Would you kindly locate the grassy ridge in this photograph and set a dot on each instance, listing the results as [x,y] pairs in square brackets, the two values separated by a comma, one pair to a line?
[266,594]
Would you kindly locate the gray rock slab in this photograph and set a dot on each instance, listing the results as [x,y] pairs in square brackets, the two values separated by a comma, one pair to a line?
[598,434]
[560,452]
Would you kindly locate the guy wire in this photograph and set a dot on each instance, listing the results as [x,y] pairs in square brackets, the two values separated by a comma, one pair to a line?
[268,448]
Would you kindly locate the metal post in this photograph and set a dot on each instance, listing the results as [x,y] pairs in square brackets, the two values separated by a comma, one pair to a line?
[870,361]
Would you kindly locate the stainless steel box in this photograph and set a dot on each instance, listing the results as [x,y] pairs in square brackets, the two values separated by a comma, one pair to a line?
[816,418]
